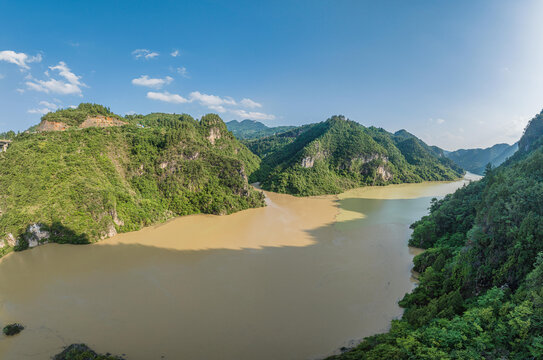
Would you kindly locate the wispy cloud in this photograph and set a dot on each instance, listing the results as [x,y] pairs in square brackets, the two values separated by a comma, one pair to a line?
[253,115]
[175,53]
[210,100]
[183,72]
[144,53]
[46,108]
[248,103]
[155,83]
[440,121]
[167,97]
[20,59]
[1,76]
[69,85]
[216,103]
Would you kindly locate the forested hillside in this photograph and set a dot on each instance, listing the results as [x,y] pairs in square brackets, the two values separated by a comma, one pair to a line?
[475,160]
[337,154]
[80,185]
[480,294]
[251,129]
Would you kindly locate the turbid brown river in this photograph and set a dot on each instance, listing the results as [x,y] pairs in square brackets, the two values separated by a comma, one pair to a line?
[297,279]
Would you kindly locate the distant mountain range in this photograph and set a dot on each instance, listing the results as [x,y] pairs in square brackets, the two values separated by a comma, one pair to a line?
[251,129]
[475,160]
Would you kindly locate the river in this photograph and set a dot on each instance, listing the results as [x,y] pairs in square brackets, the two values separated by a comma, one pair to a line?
[297,279]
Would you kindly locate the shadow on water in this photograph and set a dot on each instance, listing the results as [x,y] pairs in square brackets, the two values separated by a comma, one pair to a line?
[287,302]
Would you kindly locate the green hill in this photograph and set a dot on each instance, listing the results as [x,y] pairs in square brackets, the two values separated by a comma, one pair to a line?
[337,154]
[80,185]
[475,160]
[480,294]
[251,129]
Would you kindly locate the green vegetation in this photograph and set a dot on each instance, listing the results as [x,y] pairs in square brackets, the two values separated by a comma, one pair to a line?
[83,352]
[480,294]
[74,117]
[8,135]
[338,154]
[82,185]
[12,329]
[251,129]
[475,160]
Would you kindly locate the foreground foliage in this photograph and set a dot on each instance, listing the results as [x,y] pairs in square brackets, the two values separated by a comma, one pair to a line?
[338,154]
[81,185]
[83,352]
[481,284]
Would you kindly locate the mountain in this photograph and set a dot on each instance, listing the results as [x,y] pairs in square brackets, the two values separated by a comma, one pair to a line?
[475,160]
[83,183]
[338,154]
[251,129]
[480,291]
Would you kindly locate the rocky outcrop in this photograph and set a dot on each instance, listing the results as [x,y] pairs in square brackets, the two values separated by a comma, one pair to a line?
[101,121]
[214,135]
[46,125]
[11,239]
[384,174]
[36,235]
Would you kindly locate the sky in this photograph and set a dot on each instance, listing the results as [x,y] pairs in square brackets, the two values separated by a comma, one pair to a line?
[458,74]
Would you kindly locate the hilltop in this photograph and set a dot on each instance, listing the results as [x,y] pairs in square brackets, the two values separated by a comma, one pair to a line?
[252,129]
[83,184]
[338,154]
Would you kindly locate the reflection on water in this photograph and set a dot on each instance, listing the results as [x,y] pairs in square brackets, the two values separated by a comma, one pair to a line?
[283,282]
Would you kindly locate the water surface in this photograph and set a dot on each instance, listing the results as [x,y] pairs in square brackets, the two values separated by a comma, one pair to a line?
[294,280]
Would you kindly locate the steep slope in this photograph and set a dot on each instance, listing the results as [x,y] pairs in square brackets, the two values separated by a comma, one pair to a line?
[480,294]
[251,129]
[475,160]
[80,185]
[338,154]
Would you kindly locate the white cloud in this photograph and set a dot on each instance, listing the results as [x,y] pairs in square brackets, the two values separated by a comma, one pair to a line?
[131,112]
[175,53]
[210,100]
[253,115]
[47,107]
[440,121]
[144,53]
[71,83]
[248,103]
[1,76]
[183,72]
[20,59]
[155,83]
[167,97]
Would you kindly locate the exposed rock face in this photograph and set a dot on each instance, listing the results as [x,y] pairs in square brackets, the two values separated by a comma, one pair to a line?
[384,173]
[308,162]
[51,126]
[36,235]
[90,121]
[2,244]
[4,144]
[11,239]
[101,121]
[214,134]
[370,157]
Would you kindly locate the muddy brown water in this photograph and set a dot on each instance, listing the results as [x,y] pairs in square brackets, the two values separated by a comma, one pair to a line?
[297,279]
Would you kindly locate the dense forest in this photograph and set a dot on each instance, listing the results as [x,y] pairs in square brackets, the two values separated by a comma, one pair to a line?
[475,160]
[252,129]
[480,294]
[81,185]
[338,154]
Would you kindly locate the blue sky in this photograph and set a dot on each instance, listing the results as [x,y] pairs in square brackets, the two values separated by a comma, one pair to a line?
[456,73]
